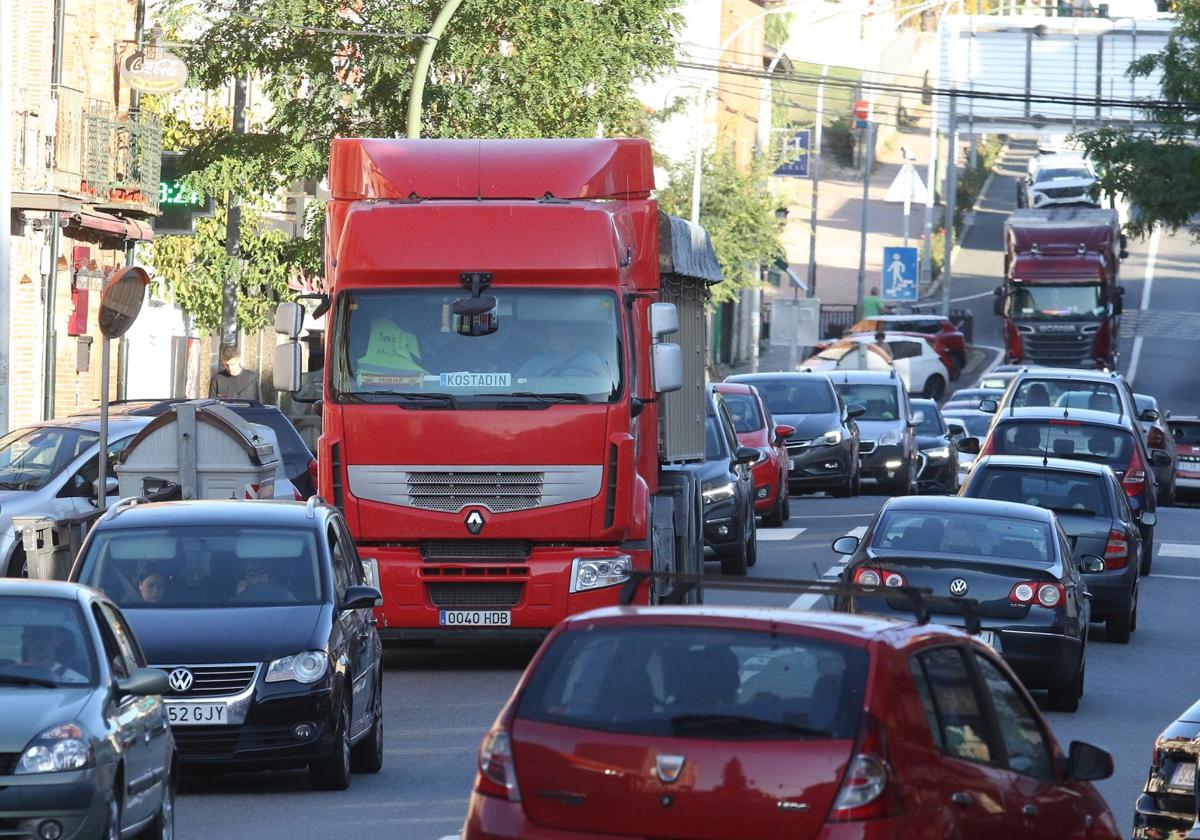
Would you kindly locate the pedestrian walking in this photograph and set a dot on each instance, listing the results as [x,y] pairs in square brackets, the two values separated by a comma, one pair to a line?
[871,304]
[232,381]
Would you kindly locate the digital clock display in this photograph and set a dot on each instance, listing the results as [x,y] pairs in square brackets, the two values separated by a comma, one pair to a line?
[174,192]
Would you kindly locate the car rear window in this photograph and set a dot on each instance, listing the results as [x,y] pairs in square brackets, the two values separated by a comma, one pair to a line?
[743,408]
[1186,433]
[1067,393]
[950,532]
[698,682]
[1056,490]
[1064,439]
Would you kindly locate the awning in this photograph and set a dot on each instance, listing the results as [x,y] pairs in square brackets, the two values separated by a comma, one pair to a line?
[107,223]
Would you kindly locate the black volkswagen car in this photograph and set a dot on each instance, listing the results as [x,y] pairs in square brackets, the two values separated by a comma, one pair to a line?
[260,614]
[1014,560]
[1094,514]
[823,451]
[727,489]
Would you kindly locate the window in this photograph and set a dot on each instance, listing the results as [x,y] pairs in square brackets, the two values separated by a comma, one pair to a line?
[905,349]
[341,578]
[1067,393]
[727,428]
[1062,492]
[931,423]
[112,648]
[83,483]
[880,401]
[125,638]
[923,691]
[714,446]
[1065,439]
[982,537]
[1024,742]
[30,458]
[354,564]
[744,408]
[44,639]
[1052,302]
[1186,433]
[961,723]
[795,395]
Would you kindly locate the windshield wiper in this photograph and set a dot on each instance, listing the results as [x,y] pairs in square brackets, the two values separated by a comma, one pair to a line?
[743,724]
[416,398]
[549,398]
[23,679]
[1073,511]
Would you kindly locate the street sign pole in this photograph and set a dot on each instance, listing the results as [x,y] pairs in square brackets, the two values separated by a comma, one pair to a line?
[794,347]
[907,207]
[951,191]
[816,184]
[862,247]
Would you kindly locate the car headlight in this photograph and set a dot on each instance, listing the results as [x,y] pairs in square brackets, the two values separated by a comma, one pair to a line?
[597,572]
[941,453]
[830,438]
[62,747]
[304,667]
[717,492]
[889,439]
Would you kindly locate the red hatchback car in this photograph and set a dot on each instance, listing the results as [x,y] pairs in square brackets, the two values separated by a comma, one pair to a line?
[756,428]
[741,722]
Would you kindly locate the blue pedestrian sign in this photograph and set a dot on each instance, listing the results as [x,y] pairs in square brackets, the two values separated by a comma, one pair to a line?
[796,153]
[900,274]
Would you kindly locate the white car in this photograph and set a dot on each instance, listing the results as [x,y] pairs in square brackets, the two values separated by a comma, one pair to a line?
[919,365]
[1058,178]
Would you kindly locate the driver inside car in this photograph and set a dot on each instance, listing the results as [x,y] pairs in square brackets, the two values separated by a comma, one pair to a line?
[563,353]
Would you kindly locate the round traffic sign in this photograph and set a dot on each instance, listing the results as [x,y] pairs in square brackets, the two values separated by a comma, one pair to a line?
[122,301]
[862,109]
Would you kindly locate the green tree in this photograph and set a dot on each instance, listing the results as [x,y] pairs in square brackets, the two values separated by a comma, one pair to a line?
[1156,166]
[736,211]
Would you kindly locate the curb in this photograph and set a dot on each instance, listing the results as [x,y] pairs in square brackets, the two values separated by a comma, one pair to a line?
[935,288]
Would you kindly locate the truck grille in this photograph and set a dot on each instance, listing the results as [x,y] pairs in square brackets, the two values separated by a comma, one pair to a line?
[214,680]
[1065,350]
[499,492]
[475,595]
[474,551]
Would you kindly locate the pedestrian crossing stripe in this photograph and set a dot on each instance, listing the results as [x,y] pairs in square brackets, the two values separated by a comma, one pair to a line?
[1188,550]
[779,534]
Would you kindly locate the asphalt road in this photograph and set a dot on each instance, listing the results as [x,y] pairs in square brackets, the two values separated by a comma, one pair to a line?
[439,702]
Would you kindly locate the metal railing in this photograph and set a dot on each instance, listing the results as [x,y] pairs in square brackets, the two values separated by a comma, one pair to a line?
[48,141]
[836,318]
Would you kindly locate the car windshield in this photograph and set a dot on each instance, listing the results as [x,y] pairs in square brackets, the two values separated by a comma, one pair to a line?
[1186,433]
[1044,302]
[1062,174]
[698,682]
[204,567]
[401,345]
[931,421]
[796,395]
[977,424]
[44,642]
[951,532]
[1065,439]
[744,410]
[1066,393]
[880,401]
[1056,490]
[31,457]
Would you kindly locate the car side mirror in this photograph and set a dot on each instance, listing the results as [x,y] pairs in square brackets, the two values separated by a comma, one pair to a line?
[1147,517]
[969,446]
[783,432]
[361,598]
[745,455]
[855,410]
[1149,415]
[142,682]
[1091,564]
[1159,458]
[111,485]
[989,406]
[1086,763]
[845,545]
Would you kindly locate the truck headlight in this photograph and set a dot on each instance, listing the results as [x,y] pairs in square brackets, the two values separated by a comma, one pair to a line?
[304,667]
[59,748]
[830,438]
[717,492]
[889,439]
[589,573]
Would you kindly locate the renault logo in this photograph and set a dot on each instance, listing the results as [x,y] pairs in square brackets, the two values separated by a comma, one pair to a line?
[474,522]
[958,587]
[180,680]
[668,767]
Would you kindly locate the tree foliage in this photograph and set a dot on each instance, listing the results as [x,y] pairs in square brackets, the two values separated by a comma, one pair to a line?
[736,211]
[1156,167]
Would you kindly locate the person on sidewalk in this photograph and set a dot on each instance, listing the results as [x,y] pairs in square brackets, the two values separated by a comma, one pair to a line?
[232,381]
[871,304]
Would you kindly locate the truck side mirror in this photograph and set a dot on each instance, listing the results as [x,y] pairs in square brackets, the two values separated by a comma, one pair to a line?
[998,300]
[667,367]
[289,319]
[287,367]
[664,320]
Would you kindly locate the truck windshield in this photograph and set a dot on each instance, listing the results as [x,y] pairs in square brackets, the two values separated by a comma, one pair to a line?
[1041,302]
[400,345]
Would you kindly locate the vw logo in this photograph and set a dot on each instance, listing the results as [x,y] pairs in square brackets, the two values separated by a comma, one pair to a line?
[474,522]
[180,680]
[958,587]
[668,767]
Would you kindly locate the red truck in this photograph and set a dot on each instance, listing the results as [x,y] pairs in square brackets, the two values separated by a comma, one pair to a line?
[1060,300]
[504,422]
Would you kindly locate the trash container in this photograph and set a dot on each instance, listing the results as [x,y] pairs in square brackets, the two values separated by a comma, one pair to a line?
[46,557]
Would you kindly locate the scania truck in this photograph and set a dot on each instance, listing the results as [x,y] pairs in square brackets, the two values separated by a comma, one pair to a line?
[513,393]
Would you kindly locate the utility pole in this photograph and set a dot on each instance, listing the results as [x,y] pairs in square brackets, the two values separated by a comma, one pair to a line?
[233,232]
[951,191]
[698,151]
[867,157]
[417,95]
[6,149]
[814,159]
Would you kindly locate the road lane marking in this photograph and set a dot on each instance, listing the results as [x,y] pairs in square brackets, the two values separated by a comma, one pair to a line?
[808,600]
[779,534]
[1188,550]
[1151,255]
[834,516]
[857,531]
[1176,577]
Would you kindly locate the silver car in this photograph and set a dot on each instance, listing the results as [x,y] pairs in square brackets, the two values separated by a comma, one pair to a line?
[85,749]
[50,470]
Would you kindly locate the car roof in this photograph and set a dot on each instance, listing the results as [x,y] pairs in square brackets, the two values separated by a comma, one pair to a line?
[117,426]
[1083,415]
[1068,373]
[964,504]
[864,377]
[1040,463]
[233,513]
[772,376]
[734,388]
[894,318]
[31,588]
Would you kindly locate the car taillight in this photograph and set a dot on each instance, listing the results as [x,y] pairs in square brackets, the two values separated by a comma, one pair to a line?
[1038,594]
[1116,550]
[877,577]
[1016,348]
[497,773]
[1134,481]
[867,791]
[1155,438]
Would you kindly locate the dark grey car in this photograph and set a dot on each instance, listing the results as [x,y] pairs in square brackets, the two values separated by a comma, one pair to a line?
[1095,515]
[888,452]
[85,749]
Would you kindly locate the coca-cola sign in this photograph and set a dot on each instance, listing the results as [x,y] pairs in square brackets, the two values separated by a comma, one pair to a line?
[160,74]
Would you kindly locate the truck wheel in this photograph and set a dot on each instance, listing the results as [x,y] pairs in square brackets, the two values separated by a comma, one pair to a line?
[935,387]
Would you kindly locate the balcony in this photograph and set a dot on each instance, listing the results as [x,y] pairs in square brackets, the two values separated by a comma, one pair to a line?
[122,157]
